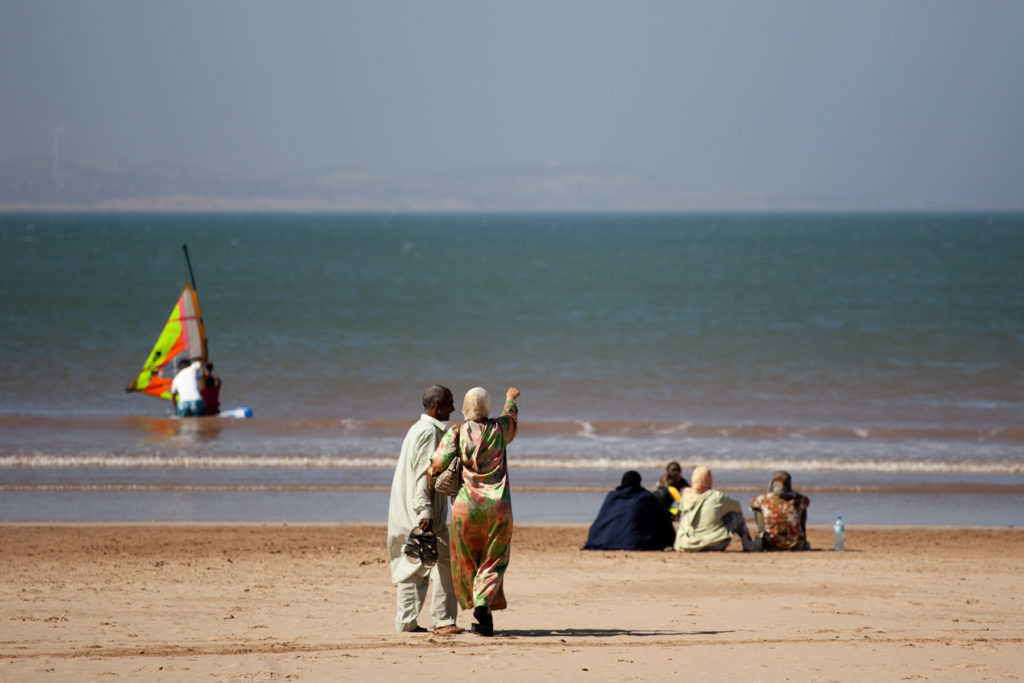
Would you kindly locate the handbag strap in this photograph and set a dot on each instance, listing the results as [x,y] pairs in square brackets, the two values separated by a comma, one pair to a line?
[457,460]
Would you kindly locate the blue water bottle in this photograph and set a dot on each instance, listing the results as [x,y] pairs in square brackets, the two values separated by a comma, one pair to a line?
[840,531]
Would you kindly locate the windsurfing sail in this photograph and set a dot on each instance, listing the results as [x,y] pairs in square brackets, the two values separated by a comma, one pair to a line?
[183,337]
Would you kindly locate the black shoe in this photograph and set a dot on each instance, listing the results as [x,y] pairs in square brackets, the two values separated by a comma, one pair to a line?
[480,629]
[485,622]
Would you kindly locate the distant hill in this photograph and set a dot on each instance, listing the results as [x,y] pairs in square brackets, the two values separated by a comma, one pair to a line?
[35,185]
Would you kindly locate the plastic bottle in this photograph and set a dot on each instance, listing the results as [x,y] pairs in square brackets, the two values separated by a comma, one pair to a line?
[840,531]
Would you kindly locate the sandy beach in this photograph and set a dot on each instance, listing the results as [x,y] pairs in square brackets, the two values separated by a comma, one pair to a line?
[313,602]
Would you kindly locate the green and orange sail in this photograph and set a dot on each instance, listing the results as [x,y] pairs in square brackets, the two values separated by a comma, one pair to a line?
[183,337]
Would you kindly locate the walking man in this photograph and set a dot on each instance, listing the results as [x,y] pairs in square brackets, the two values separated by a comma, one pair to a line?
[413,504]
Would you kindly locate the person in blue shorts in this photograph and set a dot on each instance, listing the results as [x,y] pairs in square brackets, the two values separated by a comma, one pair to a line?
[188,402]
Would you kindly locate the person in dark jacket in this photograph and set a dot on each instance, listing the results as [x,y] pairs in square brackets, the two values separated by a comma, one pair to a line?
[631,518]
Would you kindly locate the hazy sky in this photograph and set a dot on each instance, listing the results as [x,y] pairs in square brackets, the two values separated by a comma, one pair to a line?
[916,100]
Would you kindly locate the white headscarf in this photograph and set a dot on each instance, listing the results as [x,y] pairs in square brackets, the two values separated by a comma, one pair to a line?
[477,404]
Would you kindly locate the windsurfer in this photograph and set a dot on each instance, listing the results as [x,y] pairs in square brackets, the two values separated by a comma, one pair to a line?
[188,402]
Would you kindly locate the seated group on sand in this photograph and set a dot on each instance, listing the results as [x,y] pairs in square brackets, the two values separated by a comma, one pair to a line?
[633,518]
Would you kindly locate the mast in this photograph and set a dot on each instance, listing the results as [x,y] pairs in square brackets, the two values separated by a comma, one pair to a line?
[192,280]
[188,262]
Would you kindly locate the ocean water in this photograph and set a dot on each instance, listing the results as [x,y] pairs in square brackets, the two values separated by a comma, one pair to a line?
[879,358]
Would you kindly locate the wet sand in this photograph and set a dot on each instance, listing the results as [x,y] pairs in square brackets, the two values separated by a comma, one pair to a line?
[227,602]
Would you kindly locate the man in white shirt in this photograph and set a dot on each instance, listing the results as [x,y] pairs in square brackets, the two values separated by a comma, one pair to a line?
[415,505]
[185,389]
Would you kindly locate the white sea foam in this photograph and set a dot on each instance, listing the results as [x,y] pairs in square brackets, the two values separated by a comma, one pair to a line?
[793,465]
[518,462]
[191,462]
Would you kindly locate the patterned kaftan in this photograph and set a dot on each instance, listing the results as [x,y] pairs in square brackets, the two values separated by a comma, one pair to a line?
[783,518]
[481,526]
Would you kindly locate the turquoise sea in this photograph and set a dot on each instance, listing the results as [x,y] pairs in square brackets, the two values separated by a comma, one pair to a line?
[877,357]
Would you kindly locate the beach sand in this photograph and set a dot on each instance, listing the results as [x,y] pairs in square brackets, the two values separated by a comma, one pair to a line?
[314,602]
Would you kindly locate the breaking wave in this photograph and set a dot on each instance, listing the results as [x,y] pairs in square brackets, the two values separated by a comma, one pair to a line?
[517,462]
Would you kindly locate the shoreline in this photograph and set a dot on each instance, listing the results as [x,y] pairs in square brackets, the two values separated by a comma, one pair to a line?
[313,600]
[927,508]
[817,529]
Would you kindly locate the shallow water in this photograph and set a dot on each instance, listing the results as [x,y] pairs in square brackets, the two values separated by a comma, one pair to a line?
[839,347]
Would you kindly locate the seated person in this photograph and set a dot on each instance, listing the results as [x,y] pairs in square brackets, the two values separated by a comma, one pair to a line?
[708,518]
[673,478]
[631,518]
[781,515]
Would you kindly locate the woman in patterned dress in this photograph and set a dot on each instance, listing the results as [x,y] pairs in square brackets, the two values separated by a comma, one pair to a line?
[481,525]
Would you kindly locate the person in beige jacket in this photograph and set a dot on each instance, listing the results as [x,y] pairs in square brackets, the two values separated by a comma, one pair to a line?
[708,518]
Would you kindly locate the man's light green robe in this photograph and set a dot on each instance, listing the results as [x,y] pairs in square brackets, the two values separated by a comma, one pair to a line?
[412,500]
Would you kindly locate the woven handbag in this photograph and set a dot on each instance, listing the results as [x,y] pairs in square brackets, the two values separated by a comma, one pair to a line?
[450,481]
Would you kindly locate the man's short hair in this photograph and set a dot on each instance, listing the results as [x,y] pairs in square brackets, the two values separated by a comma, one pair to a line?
[435,393]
